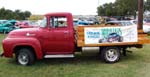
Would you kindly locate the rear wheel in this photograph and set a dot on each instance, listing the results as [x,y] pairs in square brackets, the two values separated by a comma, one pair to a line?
[110,54]
[25,57]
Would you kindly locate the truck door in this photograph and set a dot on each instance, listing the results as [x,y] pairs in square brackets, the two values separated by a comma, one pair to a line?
[59,42]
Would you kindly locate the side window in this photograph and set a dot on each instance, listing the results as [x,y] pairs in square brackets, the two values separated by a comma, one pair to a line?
[58,22]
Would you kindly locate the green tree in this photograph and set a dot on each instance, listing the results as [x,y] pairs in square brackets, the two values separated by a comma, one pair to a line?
[9,14]
[27,13]
[17,14]
[107,9]
[2,13]
[118,8]
[126,7]
[147,5]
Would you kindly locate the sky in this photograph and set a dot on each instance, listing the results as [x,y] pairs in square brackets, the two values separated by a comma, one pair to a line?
[76,7]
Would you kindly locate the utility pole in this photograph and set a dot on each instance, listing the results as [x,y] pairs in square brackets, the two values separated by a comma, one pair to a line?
[140,14]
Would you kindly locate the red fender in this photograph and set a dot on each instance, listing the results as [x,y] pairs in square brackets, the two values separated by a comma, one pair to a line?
[10,43]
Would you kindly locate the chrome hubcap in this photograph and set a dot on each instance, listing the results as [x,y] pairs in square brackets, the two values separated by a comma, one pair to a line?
[23,58]
[111,55]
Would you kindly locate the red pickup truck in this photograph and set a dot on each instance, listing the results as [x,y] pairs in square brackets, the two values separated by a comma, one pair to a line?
[57,38]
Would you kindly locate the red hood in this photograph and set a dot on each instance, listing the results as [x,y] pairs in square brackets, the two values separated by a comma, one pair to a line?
[24,32]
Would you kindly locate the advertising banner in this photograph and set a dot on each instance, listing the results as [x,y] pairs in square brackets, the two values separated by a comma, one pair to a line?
[96,35]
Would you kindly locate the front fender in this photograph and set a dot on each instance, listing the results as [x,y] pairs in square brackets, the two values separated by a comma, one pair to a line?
[10,43]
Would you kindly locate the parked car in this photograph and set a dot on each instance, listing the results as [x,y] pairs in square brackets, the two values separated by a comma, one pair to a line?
[6,26]
[75,22]
[146,28]
[90,22]
[83,22]
[147,20]
[119,23]
[26,24]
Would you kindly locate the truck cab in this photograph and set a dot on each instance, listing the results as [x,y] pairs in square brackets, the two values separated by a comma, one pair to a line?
[57,34]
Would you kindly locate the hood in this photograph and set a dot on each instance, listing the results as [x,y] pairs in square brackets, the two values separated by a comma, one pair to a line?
[27,32]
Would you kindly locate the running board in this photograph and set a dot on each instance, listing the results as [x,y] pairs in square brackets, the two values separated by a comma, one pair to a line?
[59,56]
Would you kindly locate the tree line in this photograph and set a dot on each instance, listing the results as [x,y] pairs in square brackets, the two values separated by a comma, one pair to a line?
[121,8]
[17,14]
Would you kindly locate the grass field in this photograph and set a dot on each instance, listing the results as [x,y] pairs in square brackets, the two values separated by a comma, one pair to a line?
[136,64]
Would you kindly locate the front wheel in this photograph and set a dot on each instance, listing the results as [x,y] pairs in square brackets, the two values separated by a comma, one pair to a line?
[25,57]
[110,54]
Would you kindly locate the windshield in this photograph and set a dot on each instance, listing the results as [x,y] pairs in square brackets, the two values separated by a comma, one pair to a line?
[44,22]
[3,21]
[120,23]
[126,23]
[129,23]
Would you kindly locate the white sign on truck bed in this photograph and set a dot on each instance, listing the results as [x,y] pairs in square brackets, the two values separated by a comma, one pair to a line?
[117,34]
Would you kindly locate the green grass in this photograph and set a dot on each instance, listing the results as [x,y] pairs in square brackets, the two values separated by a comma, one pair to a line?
[136,64]
[2,36]
[148,36]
